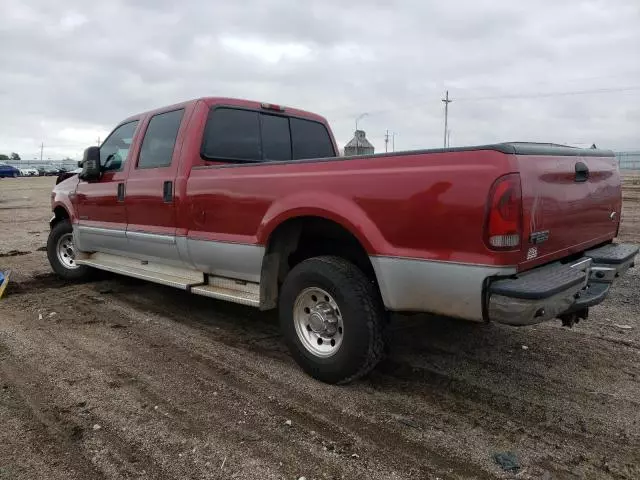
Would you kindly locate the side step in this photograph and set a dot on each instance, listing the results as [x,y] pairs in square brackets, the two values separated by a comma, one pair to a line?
[181,278]
[237,291]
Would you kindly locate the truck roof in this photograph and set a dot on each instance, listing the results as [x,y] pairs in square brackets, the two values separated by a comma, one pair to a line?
[233,102]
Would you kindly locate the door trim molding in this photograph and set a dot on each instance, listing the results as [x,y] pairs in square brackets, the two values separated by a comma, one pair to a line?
[152,237]
[108,232]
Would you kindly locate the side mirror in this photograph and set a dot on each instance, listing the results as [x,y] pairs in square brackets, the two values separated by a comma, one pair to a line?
[91,165]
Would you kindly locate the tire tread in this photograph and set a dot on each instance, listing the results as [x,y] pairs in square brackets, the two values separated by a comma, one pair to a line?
[351,279]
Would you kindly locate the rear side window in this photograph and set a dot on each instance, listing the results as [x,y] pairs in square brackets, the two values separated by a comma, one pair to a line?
[160,139]
[276,138]
[232,135]
[250,136]
[310,140]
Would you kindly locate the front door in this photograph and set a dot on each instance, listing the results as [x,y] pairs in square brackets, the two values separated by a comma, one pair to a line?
[151,193]
[102,217]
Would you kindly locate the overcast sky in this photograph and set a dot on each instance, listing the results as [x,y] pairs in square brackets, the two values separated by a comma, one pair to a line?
[559,71]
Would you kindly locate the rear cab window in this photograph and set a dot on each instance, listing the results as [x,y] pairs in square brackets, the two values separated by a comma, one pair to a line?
[241,135]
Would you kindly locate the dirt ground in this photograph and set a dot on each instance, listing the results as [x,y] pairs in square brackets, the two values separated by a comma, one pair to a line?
[118,378]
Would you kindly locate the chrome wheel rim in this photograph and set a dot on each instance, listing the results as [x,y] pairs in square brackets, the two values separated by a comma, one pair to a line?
[66,251]
[318,322]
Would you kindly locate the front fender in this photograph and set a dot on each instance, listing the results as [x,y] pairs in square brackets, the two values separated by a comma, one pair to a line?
[62,198]
[323,204]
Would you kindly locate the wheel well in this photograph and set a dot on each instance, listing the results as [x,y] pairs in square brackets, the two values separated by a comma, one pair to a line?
[60,214]
[301,238]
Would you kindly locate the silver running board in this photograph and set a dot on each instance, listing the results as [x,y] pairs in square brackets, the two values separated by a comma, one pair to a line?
[154,272]
[237,291]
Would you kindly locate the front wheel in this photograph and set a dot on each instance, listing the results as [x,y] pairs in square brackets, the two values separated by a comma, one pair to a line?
[332,318]
[62,253]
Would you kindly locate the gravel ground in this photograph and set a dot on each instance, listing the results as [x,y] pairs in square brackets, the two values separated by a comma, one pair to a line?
[118,378]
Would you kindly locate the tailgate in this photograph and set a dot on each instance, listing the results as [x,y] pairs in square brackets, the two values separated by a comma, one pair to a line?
[571,201]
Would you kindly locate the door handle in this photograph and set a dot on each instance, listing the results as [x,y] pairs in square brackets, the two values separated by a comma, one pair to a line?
[121,192]
[167,191]
[582,172]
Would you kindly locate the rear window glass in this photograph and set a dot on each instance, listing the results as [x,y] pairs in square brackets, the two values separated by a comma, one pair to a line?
[232,135]
[310,140]
[276,139]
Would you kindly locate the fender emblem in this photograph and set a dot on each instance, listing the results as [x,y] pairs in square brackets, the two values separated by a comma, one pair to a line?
[539,237]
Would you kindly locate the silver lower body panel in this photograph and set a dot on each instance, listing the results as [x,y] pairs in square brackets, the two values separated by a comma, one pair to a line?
[445,288]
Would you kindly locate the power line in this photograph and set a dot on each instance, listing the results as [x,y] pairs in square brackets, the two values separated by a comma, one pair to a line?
[420,103]
[552,94]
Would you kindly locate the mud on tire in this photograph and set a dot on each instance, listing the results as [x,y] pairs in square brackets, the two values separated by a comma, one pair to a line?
[67,270]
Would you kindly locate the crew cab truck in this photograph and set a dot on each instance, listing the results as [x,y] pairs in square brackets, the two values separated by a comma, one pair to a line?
[249,202]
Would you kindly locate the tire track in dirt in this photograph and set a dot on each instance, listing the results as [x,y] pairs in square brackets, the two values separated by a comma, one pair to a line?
[581,430]
[444,387]
[244,388]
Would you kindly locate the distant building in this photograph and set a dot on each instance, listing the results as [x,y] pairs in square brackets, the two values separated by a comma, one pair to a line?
[359,145]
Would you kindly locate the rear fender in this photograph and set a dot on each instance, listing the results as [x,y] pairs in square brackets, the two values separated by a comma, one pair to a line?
[329,206]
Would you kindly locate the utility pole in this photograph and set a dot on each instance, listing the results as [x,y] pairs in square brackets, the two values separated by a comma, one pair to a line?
[446,116]
[393,141]
[41,150]
[448,138]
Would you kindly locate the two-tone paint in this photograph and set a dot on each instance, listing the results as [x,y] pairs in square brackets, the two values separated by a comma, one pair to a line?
[419,215]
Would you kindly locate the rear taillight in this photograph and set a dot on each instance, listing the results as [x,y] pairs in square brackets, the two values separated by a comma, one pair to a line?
[503,228]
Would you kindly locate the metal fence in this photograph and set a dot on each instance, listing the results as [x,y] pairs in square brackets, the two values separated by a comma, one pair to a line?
[629,160]
[67,164]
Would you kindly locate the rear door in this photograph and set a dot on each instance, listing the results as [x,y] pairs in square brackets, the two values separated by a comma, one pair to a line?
[570,203]
[150,189]
[102,217]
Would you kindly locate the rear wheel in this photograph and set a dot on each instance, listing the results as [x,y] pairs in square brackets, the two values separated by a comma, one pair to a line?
[332,319]
[62,253]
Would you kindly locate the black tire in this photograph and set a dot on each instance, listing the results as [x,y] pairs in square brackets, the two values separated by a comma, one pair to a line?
[80,272]
[362,314]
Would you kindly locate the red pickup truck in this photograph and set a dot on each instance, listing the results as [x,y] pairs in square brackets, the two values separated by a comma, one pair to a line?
[249,202]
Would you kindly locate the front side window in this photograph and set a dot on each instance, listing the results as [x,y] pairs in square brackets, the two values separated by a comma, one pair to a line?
[115,149]
[160,139]
[232,135]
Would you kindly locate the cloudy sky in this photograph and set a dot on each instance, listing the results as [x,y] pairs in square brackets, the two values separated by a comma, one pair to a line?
[543,70]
